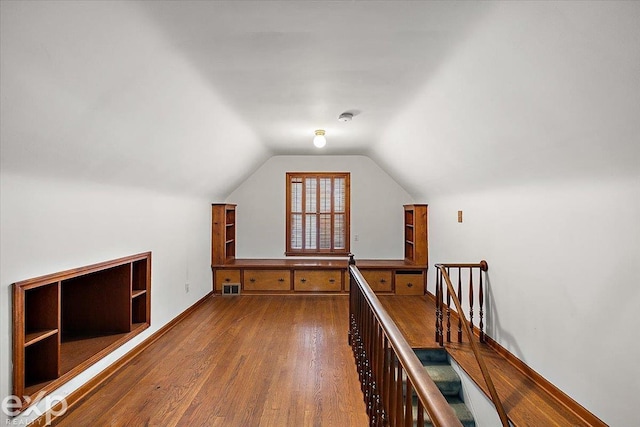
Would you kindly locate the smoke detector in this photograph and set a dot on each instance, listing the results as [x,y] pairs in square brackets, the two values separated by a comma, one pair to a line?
[345,117]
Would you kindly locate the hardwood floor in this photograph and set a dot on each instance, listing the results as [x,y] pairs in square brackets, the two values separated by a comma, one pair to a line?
[525,402]
[280,361]
[239,361]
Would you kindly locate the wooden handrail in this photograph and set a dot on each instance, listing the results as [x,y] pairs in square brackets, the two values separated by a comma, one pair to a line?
[482,265]
[474,346]
[378,344]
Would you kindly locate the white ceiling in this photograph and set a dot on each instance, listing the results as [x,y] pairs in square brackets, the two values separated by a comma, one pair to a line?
[194,96]
[288,68]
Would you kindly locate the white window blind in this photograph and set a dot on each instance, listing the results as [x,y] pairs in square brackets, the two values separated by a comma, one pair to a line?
[317,213]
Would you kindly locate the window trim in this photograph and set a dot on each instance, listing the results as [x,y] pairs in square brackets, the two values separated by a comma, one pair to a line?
[347,234]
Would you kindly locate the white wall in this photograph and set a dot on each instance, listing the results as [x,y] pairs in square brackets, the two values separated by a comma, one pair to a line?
[530,126]
[95,91]
[54,225]
[483,410]
[376,206]
[563,283]
[110,143]
[538,91]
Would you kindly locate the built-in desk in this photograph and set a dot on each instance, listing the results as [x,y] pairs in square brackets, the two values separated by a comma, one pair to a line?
[287,276]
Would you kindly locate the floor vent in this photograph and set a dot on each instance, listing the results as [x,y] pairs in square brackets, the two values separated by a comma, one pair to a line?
[231,289]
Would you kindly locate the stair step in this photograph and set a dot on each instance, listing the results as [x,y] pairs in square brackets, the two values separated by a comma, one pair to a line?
[462,412]
[436,363]
[445,378]
[428,355]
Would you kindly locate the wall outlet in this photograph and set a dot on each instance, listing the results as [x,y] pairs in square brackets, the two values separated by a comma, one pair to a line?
[356,237]
[186,287]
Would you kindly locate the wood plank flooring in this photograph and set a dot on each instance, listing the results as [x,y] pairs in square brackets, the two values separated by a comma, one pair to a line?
[239,361]
[525,403]
[280,361]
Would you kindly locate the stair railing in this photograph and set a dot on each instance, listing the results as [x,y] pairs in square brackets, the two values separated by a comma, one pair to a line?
[389,371]
[442,276]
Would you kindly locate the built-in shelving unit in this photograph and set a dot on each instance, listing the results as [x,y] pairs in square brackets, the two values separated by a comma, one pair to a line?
[406,276]
[66,321]
[223,233]
[415,235]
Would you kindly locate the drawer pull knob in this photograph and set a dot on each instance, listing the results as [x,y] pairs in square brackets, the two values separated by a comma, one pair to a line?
[226,279]
[332,280]
[383,281]
[252,280]
[303,280]
[281,280]
[409,285]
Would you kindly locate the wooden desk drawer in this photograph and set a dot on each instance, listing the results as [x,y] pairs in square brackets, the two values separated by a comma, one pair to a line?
[317,280]
[267,280]
[409,283]
[379,280]
[225,277]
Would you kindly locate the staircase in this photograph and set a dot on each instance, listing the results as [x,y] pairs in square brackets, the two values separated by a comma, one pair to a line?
[436,362]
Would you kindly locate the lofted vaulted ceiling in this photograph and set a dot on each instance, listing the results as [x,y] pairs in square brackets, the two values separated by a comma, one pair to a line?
[193,96]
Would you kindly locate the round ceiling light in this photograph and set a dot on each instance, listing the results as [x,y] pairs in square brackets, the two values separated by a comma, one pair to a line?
[319,140]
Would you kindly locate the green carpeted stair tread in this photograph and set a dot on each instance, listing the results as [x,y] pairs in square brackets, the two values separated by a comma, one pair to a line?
[462,412]
[431,355]
[436,363]
[445,378]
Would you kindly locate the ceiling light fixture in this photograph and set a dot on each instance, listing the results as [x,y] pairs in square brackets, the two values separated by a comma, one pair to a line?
[319,140]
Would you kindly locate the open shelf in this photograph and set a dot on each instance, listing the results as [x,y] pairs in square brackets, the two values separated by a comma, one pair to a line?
[41,307]
[137,293]
[75,350]
[223,233]
[35,336]
[139,311]
[139,274]
[415,234]
[408,216]
[138,326]
[66,321]
[97,303]
[408,250]
[43,358]
[230,214]
[408,233]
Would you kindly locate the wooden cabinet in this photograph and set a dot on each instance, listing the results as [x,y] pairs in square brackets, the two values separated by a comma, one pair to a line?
[226,277]
[283,275]
[267,280]
[394,276]
[410,282]
[379,280]
[318,280]
[401,276]
[223,233]
[64,322]
[415,235]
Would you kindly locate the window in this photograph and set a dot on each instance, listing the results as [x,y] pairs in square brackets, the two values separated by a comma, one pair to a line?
[317,213]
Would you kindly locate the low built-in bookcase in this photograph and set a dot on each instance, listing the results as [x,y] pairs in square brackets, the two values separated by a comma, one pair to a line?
[406,276]
[64,322]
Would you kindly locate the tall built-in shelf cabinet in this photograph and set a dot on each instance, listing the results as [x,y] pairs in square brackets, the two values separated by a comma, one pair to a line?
[416,249]
[223,233]
[64,322]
